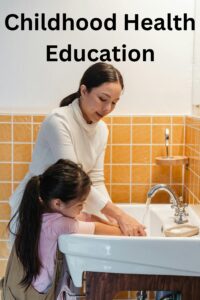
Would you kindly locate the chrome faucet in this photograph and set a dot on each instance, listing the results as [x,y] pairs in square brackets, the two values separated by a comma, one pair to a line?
[180,212]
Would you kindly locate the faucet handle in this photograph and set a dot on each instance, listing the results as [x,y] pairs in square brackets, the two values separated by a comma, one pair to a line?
[184,210]
[181,202]
[183,205]
[181,214]
[181,217]
[177,211]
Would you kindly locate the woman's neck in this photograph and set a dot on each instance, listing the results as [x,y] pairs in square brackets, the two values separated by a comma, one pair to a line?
[82,110]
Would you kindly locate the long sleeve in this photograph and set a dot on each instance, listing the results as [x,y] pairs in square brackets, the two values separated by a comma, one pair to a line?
[60,139]
[98,190]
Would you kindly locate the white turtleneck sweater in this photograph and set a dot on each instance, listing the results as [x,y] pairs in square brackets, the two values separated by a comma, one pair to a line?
[65,134]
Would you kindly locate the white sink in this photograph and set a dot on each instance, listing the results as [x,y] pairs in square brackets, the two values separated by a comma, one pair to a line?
[154,254]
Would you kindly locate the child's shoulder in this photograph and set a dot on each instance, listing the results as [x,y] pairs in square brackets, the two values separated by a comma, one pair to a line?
[58,223]
[55,217]
[51,217]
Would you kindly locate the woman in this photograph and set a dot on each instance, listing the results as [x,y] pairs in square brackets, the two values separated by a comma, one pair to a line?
[75,131]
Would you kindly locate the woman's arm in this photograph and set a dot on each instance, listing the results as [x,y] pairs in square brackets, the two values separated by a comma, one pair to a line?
[127,224]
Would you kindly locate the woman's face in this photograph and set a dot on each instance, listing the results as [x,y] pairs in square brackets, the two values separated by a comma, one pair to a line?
[100,101]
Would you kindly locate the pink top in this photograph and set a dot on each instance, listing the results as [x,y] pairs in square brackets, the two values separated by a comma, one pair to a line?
[53,225]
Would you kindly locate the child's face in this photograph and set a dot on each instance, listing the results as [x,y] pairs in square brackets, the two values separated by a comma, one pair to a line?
[72,209]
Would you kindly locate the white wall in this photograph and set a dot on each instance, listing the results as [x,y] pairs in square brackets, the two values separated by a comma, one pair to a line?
[30,84]
[196,58]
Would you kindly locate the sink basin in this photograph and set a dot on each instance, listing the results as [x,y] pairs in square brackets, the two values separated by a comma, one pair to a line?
[154,254]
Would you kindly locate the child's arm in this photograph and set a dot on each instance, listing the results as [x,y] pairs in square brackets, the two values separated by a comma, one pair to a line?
[93,218]
[101,228]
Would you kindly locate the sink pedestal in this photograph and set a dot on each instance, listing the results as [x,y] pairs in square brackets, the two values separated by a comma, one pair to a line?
[104,286]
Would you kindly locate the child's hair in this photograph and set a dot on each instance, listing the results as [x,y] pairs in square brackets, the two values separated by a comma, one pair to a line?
[63,180]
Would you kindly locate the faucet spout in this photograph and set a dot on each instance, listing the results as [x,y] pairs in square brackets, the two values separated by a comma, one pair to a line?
[174,199]
[180,212]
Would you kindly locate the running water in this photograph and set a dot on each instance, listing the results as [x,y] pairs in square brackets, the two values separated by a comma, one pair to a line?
[146,211]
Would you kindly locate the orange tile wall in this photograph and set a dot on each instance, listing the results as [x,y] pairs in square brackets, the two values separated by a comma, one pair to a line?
[130,168]
[192,150]
[134,142]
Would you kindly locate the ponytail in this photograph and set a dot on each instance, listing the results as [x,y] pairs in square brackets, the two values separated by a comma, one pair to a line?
[28,233]
[69,99]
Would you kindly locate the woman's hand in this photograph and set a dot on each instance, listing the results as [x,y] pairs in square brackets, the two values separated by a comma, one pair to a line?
[130,226]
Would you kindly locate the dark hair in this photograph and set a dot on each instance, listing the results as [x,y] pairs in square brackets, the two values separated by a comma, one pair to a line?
[94,76]
[64,180]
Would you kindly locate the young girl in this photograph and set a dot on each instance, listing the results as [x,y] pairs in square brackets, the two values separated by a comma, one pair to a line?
[50,206]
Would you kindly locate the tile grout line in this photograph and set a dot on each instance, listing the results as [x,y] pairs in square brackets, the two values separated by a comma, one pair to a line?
[184,166]
[194,177]
[151,140]
[138,144]
[114,164]
[117,183]
[32,135]
[131,159]
[171,147]
[16,162]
